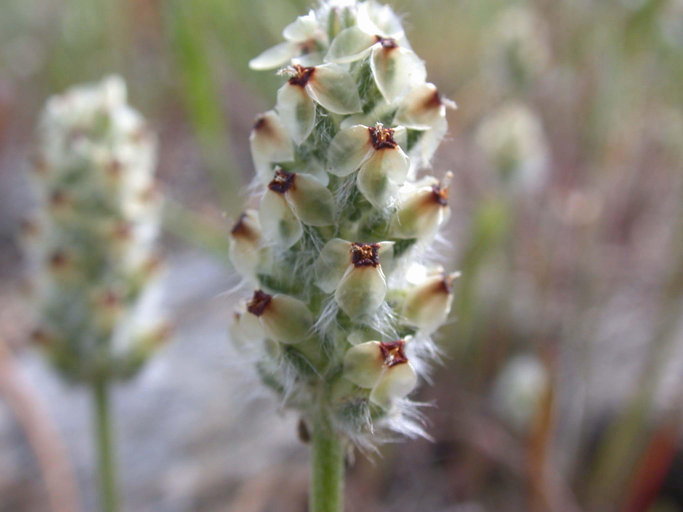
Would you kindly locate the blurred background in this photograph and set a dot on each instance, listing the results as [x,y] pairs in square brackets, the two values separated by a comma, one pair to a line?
[560,389]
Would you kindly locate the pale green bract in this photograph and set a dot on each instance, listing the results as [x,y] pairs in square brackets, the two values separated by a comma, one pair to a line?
[91,243]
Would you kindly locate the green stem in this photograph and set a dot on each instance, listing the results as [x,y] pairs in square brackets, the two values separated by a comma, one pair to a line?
[327,469]
[105,452]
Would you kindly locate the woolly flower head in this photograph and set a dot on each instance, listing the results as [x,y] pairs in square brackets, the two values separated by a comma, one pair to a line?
[91,242]
[337,327]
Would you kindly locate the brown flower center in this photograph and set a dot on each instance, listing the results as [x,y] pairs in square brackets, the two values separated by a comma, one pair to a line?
[58,259]
[392,353]
[440,195]
[433,100]
[282,181]
[243,229]
[259,302]
[364,255]
[261,123]
[381,137]
[387,43]
[301,75]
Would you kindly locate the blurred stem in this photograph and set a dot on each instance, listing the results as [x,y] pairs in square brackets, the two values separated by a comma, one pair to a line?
[327,468]
[40,431]
[623,440]
[105,449]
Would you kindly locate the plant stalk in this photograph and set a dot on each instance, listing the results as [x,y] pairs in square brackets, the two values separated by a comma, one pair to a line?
[327,469]
[105,449]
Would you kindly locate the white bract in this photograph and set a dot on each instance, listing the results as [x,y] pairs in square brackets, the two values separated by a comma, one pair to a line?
[354,271]
[291,199]
[375,152]
[422,209]
[428,303]
[341,217]
[283,318]
[304,38]
[328,85]
[270,143]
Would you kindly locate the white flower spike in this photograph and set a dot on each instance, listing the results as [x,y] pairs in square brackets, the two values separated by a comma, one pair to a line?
[341,222]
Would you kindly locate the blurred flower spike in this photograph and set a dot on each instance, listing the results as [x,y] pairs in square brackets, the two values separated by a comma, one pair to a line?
[91,246]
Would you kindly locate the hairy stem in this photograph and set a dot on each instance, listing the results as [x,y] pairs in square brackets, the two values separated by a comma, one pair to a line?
[327,469]
[105,451]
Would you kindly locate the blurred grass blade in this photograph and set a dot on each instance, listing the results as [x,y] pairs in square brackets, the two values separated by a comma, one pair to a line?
[188,26]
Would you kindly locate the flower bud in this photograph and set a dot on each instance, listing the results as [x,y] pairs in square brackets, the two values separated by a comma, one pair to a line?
[353,271]
[245,243]
[519,389]
[329,85]
[423,108]
[283,318]
[421,211]
[245,329]
[290,199]
[99,215]
[303,36]
[375,152]
[381,367]
[270,143]
[427,304]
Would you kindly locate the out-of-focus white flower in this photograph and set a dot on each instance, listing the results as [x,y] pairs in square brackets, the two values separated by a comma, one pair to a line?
[270,143]
[519,389]
[354,271]
[381,367]
[513,139]
[328,84]
[376,153]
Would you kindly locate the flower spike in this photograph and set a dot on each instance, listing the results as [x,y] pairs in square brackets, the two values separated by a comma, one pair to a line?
[342,219]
